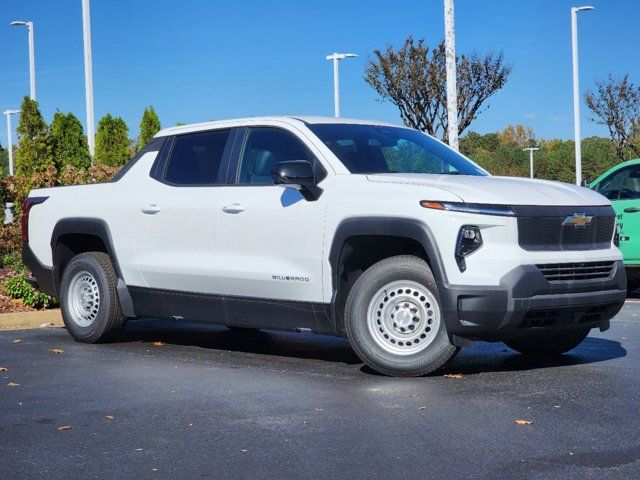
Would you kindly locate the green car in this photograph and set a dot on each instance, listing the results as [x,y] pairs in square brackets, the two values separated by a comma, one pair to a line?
[621,185]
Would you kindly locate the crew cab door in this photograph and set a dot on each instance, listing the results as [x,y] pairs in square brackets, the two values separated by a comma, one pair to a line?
[270,238]
[176,224]
[622,187]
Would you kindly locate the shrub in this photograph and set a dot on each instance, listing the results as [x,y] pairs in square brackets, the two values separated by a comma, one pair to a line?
[12,262]
[10,238]
[17,287]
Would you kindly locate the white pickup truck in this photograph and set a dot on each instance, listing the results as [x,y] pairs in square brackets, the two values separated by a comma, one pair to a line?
[343,227]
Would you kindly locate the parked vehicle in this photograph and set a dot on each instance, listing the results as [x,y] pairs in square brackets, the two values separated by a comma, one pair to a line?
[376,232]
[621,185]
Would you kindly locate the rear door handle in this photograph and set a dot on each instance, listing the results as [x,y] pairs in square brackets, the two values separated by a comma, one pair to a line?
[632,210]
[151,209]
[233,208]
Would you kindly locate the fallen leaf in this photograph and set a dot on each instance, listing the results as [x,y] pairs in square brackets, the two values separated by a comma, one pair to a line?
[556,406]
[138,449]
[243,450]
[64,427]
[524,422]
[57,351]
[319,409]
[11,384]
[422,408]
[110,417]
[46,325]
[624,338]
[4,369]
[158,344]
[17,340]
[453,375]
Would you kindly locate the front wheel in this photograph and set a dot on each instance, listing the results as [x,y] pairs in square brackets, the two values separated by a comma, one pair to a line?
[548,345]
[393,318]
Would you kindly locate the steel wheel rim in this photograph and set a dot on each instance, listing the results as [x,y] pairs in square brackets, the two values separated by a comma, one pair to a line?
[83,299]
[403,317]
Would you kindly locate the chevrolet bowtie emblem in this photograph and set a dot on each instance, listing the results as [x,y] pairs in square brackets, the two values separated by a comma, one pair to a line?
[577,220]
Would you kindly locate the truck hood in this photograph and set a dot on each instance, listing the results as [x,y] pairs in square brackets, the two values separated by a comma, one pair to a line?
[498,190]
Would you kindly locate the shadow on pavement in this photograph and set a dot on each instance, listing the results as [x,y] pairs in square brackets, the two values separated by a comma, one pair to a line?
[497,357]
[264,342]
[482,358]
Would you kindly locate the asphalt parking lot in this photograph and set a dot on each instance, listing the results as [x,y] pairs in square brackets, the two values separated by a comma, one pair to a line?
[213,403]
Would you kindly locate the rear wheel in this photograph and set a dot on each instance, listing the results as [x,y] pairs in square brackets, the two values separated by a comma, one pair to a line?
[393,318]
[548,344]
[89,302]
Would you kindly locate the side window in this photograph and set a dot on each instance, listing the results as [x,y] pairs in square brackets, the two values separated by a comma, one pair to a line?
[196,158]
[622,185]
[265,146]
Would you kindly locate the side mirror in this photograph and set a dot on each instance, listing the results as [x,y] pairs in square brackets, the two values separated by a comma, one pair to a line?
[296,174]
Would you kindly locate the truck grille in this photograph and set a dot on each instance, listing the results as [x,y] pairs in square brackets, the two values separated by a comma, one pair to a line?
[562,272]
[544,228]
[567,316]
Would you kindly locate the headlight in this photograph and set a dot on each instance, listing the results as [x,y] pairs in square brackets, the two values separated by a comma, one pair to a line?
[469,240]
[477,208]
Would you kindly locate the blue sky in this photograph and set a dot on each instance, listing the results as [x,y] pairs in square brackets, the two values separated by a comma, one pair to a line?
[202,60]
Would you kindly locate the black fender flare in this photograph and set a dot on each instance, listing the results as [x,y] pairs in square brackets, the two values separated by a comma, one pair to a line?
[95,227]
[405,227]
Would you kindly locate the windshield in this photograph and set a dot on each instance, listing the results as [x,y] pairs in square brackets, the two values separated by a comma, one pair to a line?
[381,149]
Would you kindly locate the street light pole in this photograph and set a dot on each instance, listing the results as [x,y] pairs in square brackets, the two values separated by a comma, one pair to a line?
[88,75]
[452,93]
[32,60]
[8,113]
[576,89]
[336,57]
[531,150]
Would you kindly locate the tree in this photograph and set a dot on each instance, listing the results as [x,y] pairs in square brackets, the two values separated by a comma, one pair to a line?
[149,126]
[4,163]
[519,135]
[33,154]
[68,142]
[414,79]
[616,104]
[112,141]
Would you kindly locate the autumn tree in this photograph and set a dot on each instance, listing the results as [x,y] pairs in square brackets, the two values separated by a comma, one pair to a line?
[33,154]
[519,135]
[68,141]
[112,141]
[4,162]
[414,79]
[149,126]
[616,104]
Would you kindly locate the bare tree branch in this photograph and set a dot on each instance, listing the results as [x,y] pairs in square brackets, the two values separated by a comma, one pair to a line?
[414,79]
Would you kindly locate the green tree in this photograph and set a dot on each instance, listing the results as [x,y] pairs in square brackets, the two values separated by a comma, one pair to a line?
[33,154]
[112,141]
[68,142]
[4,162]
[149,126]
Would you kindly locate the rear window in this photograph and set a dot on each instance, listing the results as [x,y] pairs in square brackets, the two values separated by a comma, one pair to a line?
[196,158]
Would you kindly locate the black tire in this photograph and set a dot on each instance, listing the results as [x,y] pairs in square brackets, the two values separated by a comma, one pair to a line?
[548,345]
[403,268]
[108,319]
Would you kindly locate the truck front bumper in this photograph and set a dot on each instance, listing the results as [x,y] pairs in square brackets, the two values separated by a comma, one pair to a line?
[526,302]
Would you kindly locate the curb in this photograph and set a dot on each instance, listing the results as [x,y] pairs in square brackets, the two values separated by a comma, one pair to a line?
[30,320]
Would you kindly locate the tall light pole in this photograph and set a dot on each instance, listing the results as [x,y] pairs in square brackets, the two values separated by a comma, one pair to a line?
[32,60]
[8,212]
[576,89]
[8,113]
[531,150]
[452,93]
[336,57]
[88,75]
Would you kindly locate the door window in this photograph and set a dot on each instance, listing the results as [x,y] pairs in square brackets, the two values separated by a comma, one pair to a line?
[196,158]
[263,148]
[622,185]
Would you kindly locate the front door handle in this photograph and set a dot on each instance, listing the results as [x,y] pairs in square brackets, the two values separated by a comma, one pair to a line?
[632,210]
[233,208]
[151,209]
